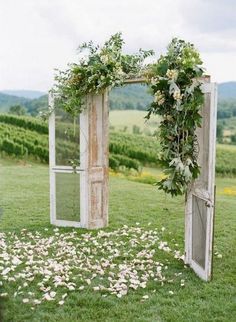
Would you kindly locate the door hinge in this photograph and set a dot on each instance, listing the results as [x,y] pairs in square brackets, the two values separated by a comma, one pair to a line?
[209,204]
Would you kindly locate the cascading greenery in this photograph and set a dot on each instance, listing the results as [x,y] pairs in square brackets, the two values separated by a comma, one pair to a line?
[175,83]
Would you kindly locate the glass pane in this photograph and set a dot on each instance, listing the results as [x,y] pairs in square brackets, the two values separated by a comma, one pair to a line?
[199,222]
[68,196]
[67,138]
[204,142]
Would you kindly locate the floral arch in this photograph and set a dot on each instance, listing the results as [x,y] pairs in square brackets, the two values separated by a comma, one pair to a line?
[186,101]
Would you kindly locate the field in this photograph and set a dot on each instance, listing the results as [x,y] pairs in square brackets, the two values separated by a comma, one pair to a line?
[225,159]
[25,204]
[27,138]
[229,128]
[131,121]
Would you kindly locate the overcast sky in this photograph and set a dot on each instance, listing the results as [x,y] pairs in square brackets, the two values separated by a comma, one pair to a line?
[37,36]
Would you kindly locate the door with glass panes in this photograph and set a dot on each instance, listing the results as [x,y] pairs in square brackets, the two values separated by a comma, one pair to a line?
[65,170]
[200,199]
[78,159]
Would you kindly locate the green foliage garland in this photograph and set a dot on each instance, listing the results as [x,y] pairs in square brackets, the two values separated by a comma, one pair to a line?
[98,69]
[175,84]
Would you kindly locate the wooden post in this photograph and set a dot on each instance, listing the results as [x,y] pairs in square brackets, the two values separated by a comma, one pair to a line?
[94,130]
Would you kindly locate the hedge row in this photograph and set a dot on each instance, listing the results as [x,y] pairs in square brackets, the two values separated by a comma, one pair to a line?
[25,122]
[31,140]
[138,147]
[116,161]
[23,130]
[126,150]
[11,147]
[63,129]
[24,149]
[226,160]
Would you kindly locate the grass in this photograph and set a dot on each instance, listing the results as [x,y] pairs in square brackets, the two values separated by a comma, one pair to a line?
[225,159]
[227,147]
[25,202]
[127,119]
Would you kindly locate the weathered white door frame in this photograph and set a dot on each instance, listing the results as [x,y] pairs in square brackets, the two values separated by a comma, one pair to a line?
[202,192]
[93,169]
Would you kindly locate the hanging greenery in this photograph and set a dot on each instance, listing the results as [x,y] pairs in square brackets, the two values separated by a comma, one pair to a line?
[174,81]
[98,69]
[175,85]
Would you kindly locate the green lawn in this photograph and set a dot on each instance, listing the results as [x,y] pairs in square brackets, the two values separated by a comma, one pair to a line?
[24,195]
[126,119]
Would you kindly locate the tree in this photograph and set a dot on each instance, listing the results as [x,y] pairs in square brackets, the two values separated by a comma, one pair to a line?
[220,133]
[17,110]
[233,138]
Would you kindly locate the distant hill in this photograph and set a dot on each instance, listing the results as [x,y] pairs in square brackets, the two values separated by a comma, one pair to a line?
[8,100]
[24,93]
[227,90]
[226,108]
[131,97]
[139,95]
[34,106]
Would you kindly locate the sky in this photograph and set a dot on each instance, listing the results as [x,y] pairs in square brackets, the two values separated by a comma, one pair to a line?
[37,36]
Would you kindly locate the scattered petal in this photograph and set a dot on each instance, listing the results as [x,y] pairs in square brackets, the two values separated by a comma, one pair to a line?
[25,300]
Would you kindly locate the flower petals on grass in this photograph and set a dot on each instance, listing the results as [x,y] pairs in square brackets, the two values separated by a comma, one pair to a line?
[49,267]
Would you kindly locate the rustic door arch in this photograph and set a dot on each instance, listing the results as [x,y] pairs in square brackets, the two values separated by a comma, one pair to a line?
[92,177]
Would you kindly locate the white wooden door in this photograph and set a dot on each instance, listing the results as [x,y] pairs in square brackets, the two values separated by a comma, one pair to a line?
[200,199]
[79,195]
[65,181]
